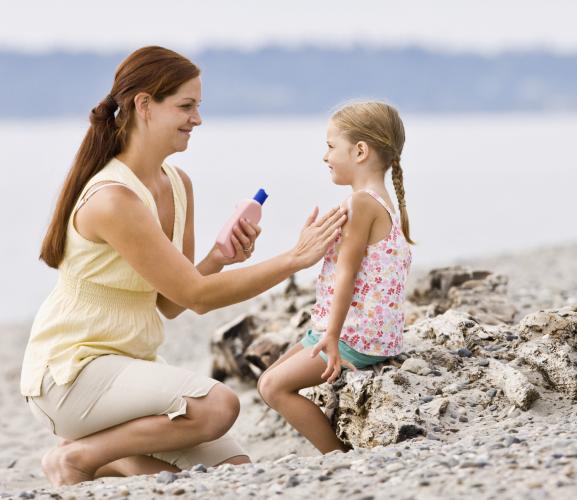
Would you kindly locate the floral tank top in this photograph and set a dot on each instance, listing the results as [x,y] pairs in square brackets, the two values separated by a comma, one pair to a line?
[375,321]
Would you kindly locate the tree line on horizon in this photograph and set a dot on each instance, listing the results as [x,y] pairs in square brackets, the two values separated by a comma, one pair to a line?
[307,81]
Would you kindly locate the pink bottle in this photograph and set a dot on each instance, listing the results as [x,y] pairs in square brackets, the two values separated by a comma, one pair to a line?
[250,209]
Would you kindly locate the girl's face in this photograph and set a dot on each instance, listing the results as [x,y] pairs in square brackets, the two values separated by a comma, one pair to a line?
[339,156]
[172,120]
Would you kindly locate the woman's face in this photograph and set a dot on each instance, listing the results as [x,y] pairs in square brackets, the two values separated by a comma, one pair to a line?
[172,120]
[339,156]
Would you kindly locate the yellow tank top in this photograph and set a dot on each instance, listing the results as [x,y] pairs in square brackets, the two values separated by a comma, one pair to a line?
[100,304]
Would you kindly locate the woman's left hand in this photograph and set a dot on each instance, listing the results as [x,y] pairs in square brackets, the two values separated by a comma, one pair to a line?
[243,239]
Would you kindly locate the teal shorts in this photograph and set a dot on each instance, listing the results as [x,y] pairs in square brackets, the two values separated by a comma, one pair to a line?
[357,359]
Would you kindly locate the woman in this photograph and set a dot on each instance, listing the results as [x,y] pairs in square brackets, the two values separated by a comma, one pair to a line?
[122,238]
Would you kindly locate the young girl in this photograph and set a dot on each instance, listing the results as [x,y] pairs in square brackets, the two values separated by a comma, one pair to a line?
[357,318]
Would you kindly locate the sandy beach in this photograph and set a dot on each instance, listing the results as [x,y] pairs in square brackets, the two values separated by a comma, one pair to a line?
[505,453]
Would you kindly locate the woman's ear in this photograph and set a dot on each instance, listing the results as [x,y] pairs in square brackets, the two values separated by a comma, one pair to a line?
[361,151]
[141,105]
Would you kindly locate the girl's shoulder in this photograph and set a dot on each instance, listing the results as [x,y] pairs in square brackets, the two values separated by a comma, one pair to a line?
[360,203]
[361,213]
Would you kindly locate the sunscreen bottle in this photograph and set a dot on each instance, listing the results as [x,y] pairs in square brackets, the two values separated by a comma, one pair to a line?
[250,209]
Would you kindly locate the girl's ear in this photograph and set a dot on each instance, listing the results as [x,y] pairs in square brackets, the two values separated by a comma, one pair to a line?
[141,102]
[361,151]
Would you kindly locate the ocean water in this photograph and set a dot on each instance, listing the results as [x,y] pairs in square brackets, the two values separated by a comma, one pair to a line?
[475,185]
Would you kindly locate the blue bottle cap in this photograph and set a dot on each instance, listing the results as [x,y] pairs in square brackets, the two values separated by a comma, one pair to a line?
[261,196]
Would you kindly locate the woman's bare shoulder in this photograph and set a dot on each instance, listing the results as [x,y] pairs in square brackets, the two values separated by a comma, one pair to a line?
[110,207]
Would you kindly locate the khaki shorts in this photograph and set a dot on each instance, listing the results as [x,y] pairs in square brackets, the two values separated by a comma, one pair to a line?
[114,389]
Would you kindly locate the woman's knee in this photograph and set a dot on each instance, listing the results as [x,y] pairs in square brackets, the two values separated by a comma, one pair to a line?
[220,409]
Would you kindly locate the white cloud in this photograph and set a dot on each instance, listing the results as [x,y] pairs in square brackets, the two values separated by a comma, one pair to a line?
[487,26]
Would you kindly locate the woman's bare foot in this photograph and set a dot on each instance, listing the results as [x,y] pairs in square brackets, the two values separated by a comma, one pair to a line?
[60,467]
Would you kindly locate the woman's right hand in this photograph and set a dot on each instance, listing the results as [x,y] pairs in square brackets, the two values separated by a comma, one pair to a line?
[317,235]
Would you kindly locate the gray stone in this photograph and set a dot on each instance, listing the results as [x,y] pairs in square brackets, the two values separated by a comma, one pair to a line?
[513,383]
[166,477]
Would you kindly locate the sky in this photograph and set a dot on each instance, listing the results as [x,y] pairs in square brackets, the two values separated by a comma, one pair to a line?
[488,26]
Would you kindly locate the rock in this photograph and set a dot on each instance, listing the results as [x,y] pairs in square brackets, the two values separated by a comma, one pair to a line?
[369,409]
[452,329]
[436,408]
[558,324]
[513,383]
[292,481]
[435,286]
[166,477]
[417,366]
[481,294]
[555,360]
[199,468]
[464,352]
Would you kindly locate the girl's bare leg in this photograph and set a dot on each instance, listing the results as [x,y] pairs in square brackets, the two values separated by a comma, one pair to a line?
[207,418]
[279,388]
[289,353]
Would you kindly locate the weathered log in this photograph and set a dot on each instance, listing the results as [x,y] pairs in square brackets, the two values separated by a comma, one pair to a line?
[267,348]
[228,346]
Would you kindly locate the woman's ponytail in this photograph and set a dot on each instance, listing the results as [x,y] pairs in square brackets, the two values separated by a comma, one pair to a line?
[154,70]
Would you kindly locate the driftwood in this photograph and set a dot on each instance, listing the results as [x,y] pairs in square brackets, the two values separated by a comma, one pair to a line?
[457,364]
[248,345]
[228,346]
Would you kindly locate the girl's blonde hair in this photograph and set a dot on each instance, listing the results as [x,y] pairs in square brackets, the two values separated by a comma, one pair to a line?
[380,126]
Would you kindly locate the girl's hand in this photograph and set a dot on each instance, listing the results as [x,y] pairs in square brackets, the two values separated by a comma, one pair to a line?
[330,346]
[317,235]
[243,239]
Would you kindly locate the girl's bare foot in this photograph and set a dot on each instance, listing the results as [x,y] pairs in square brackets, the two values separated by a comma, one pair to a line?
[60,467]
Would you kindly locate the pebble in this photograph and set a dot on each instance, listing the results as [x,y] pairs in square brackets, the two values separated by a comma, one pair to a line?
[166,477]
[464,352]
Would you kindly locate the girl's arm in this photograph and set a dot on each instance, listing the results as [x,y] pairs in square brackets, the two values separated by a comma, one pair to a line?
[355,236]
[214,261]
[118,217]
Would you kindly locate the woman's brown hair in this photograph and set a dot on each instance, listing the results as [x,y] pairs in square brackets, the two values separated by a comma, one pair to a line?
[153,70]
[380,126]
